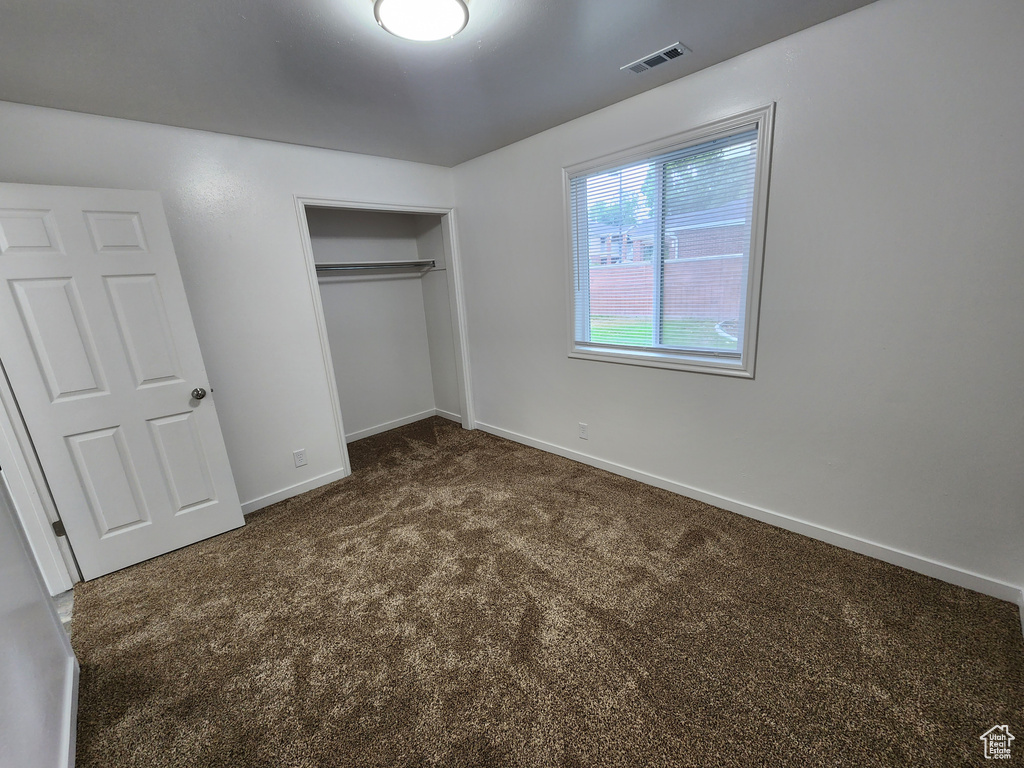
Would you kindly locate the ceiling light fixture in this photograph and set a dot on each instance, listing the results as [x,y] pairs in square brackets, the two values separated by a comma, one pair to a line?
[422,20]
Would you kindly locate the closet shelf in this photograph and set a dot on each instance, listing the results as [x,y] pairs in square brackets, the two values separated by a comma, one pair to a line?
[425,264]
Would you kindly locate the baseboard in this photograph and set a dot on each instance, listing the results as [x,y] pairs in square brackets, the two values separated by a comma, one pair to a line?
[330,477]
[941,571]
[70,715]
[294,490]
[351,437]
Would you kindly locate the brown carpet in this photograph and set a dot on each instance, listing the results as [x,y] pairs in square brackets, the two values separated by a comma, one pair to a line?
[462,600]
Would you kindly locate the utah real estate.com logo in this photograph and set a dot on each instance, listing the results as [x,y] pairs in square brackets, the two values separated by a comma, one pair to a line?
[997,742]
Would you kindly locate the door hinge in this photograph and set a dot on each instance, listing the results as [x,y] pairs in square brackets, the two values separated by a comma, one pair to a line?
[58,528]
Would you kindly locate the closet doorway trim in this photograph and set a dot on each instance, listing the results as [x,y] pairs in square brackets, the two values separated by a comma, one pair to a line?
[456,299]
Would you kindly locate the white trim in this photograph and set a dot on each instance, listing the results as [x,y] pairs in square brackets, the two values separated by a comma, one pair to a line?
[31,497]
[68,726]
[393,424]
[460,332]
[69,732]
[69,705]
[321,329]
[293,490]
[456,298]
[923,565]
[741,365]
[338,474]
[699,134]
[651,359]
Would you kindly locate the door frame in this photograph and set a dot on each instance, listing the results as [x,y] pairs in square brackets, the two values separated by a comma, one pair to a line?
[26,484]
[456,299]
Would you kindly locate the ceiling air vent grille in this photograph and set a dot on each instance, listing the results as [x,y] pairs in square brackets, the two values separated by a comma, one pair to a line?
[674,51]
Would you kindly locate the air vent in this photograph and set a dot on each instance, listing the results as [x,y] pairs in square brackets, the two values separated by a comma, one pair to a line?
[674,51]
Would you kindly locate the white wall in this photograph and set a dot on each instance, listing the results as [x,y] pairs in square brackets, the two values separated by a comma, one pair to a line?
[38,671]
[888,402]
[230,205]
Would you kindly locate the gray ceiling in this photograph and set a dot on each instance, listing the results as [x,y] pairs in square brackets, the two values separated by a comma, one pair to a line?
[322,73]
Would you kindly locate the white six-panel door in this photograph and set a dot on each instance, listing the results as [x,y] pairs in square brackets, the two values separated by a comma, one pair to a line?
[98,344]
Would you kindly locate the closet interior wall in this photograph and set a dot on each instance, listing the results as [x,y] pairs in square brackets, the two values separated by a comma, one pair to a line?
[390,332]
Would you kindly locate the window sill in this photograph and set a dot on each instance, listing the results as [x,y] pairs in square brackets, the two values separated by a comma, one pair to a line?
[719,366]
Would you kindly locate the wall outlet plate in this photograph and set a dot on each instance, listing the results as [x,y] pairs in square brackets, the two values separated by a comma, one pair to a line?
[584,431]
[300,457]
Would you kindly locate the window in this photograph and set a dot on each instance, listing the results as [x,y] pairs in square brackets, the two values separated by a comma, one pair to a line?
[667,241]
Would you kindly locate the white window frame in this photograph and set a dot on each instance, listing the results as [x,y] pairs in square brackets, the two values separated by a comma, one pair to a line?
[742,366]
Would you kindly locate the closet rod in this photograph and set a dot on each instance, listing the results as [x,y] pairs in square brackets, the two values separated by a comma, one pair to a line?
[426,264]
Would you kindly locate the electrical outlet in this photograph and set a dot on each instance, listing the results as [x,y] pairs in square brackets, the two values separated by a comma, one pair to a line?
[584,431]
[300,457]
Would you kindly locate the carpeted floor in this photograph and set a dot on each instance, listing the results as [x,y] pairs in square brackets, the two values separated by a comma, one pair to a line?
[462,600]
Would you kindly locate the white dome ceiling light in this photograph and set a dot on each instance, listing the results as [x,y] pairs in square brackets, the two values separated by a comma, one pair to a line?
[422,20]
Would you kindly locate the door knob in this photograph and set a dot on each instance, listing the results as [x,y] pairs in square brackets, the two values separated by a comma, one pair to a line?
[198,393]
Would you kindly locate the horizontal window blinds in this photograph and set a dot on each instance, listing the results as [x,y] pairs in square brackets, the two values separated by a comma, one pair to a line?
[662,246]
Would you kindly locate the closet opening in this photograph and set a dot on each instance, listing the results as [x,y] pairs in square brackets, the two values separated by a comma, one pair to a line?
[386,289]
